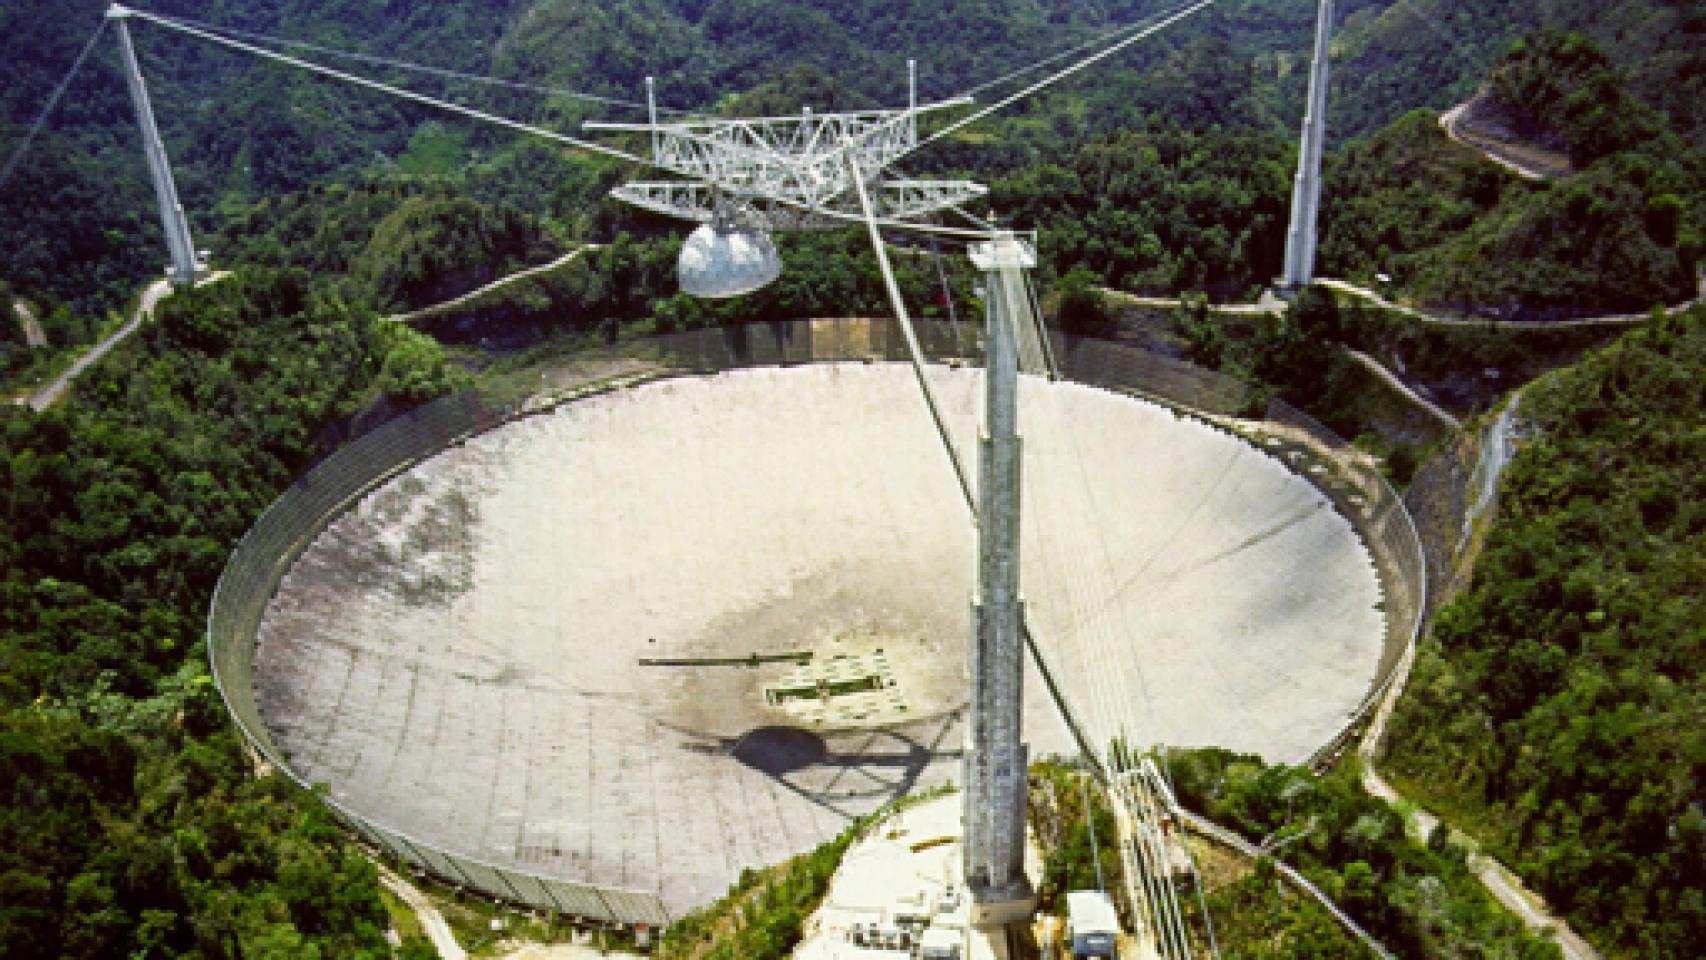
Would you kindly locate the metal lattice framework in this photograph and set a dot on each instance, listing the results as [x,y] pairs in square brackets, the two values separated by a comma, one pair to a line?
[775,172]
[697,201]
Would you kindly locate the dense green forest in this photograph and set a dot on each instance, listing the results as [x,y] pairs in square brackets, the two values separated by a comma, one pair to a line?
[1556,709]
[762,917]
[241,130]
[1420,901]
[1555,713]
[131,824]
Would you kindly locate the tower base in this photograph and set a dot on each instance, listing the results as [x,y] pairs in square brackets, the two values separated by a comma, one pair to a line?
[1014,904]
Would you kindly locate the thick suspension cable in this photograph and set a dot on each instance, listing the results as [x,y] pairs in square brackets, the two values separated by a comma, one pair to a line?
[398,92]
[441,72]
[516,125]
[914,352]
[1104,37]
[1056,77]
[52,102]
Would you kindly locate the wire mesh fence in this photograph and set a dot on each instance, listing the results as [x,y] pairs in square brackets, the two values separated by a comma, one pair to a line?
[267,552]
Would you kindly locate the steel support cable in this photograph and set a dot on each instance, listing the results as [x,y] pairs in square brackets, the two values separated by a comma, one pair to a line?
[1069,576]
[1196,871]
[1093,619]
[1068,715]
[1137,837]
[1051,363]
[1099,534]
[914,352]
[947,295]
[1003,103]
[1108,697]
[1170,904]
[1092,634]
[1121,812]
[516,125]
[1092,744]
[399,92]
[1156,883]
[1167,803]
[1140,858]
[1142,31]
[1095,848]
[1137,874]
[441,72]
[1104,697]
[1103,37]
[52,102]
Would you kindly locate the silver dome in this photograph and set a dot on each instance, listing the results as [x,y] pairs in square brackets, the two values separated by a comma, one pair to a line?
[727,261]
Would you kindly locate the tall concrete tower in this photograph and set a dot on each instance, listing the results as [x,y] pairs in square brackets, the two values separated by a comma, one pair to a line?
[996,758]
[186,267]
[1306,193]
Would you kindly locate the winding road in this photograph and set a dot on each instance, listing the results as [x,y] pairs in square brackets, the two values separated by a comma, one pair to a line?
[1449,122]
[34,337]
[1270,304]
[1609,320]
[1504,885]
[50,394]
[497,284]
[433,923]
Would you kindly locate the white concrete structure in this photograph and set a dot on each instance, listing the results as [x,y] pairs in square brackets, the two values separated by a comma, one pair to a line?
[503,652]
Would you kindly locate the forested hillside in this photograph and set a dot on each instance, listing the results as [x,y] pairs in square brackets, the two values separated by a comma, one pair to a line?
[1556,711]
[130,823]
[1557,708]
[1419,901]
[242,131]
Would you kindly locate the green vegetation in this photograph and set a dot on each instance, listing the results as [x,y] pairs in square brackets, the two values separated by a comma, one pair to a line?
[1624,234]
[1391,199]
[762,915]
[1295,356]
[402,245]
[1062,822]
[1161,210]
[629,287]
[1419,901]
[130,824]
[1555,712]
[1261,917]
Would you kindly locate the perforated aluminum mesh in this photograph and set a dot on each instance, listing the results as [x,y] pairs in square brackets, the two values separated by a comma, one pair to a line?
[260,561]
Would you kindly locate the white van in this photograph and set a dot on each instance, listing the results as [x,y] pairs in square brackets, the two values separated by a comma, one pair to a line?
[1091,924]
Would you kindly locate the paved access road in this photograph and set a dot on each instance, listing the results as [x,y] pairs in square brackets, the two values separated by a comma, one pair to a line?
[1495,876]
[494,285]
[1449,121]
[50,394]
[34,338]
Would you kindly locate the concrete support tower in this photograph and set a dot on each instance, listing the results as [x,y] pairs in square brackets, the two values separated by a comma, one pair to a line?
[186,268]
[996,757]
[1306,194]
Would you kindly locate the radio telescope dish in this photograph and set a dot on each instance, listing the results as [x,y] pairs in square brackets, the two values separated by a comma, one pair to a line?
[721,260]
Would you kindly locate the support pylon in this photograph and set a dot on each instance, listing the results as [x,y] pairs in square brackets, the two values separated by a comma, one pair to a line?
[186,267]
[1300,239]
[996,757]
